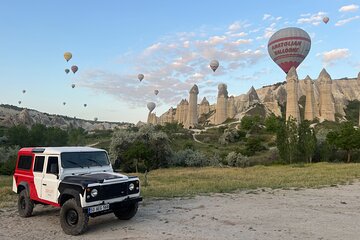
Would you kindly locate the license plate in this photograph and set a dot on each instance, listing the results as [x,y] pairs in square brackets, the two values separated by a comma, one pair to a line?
[98,208]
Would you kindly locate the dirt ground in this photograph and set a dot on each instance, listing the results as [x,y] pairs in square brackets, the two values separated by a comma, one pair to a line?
[327,213]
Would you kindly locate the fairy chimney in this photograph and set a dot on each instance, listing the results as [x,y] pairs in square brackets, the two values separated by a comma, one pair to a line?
[292,85]
[310,100]
[221,104]
[204,107]
[327,108]
[192,117]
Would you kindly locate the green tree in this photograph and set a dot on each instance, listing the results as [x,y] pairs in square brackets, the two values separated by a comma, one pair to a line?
[287,140]
[18,135]
[346,138]
[253,145]
[272,123]
[307,141]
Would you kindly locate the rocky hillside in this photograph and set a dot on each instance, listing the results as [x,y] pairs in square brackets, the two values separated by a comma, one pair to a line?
[272,99]
[12,115]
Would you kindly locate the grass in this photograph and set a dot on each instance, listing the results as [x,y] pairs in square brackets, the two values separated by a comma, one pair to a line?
[187,182]
[179,182]
[7,196]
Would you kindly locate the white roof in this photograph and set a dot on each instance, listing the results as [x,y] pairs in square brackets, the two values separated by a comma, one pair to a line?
[58,150]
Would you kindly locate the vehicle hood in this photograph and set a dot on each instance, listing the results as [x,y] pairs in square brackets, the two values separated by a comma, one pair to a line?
[91,178]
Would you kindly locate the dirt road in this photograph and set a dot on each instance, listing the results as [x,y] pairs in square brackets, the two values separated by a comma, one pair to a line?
[328,213]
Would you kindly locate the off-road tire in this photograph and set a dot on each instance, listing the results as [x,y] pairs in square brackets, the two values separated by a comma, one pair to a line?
[72,218]
[25,204]
[128,212]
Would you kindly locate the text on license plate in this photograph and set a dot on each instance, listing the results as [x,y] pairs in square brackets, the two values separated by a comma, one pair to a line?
[98,208]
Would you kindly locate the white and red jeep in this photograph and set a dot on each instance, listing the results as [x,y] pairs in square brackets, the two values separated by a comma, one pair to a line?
[80,180]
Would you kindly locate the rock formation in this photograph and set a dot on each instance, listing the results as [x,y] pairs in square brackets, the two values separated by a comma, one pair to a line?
[292,106]
[327,108]
[152,119]
[204,107]
[192,118]
[253,97]
[310,113]
[221,105]
[231,107]
[182,111]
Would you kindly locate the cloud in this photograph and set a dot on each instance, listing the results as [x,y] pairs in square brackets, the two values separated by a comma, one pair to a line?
[266,16]
[349,8]
[330,57]
[345,21]
[174,63]
[270,17]
[314,19]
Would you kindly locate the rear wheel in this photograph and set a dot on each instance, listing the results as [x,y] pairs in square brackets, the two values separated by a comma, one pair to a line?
[72,218]
[128,212]
[25,204]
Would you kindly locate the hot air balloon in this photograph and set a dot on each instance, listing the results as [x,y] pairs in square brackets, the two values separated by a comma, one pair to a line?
[95,119]
[85,105]
[214,64]
[156,92]
[67,56]
[151,106]
[72,85]
[326,20]
[288,47]
[24,91]
[64,103]
[19,102]
[74,68]
[140,76]
[67,71]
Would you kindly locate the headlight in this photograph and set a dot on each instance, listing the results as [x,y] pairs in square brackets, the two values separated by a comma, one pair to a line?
[94,192]
[131,186]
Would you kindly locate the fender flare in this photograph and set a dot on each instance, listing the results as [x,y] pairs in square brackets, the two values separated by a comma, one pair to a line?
[72,192]
[24,185]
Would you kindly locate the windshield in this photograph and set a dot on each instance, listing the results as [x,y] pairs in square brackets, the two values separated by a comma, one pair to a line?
[84,159]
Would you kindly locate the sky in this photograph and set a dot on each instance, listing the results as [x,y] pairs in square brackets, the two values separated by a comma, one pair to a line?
[170,42]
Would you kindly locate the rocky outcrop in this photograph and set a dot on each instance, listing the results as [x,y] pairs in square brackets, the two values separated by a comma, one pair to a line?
[182,111]
[12,116]
[221,104]
[292,106]
[152,119]
[231,107]
[204,107]
[192,117]
[253,97]
[310,113]
[327,109]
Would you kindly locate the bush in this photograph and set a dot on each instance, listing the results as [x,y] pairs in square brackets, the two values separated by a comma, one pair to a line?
[8,157]
[234,159]
[189,158]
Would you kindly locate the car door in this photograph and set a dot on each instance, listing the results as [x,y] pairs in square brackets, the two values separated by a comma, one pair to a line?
[38,172]
[50,182]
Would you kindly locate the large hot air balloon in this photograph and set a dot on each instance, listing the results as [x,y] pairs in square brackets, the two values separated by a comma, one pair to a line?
[288,47]
[156,92]
[72,85]
[151,106]
[67,56]
[67,71]
[24,91]
[326,19]
[140,77]
[214,64]
[74,69]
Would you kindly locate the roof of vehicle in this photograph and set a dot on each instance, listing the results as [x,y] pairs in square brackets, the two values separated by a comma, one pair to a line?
[58,150]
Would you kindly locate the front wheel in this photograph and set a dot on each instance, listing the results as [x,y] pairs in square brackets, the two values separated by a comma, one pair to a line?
[72,218]
[128,212]
[25,204]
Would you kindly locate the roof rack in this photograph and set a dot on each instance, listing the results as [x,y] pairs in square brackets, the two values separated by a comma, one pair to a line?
[38,150]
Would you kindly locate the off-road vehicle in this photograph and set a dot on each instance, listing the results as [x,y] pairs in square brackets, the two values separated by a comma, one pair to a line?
[79,180]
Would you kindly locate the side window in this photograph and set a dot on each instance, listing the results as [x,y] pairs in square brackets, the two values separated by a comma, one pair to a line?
[39,163]
[53,165]
[25,162]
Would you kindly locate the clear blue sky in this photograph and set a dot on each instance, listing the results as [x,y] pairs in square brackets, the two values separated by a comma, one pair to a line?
[170,42]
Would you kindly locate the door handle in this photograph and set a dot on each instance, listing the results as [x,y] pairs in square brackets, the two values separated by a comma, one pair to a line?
[44,184]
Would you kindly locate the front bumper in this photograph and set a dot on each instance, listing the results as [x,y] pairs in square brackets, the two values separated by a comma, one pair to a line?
[114,205]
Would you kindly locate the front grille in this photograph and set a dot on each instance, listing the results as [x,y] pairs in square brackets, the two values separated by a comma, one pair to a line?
[113,191]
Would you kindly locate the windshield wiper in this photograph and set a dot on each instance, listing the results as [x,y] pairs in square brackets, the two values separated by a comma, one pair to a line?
[93,160]
[75,163]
